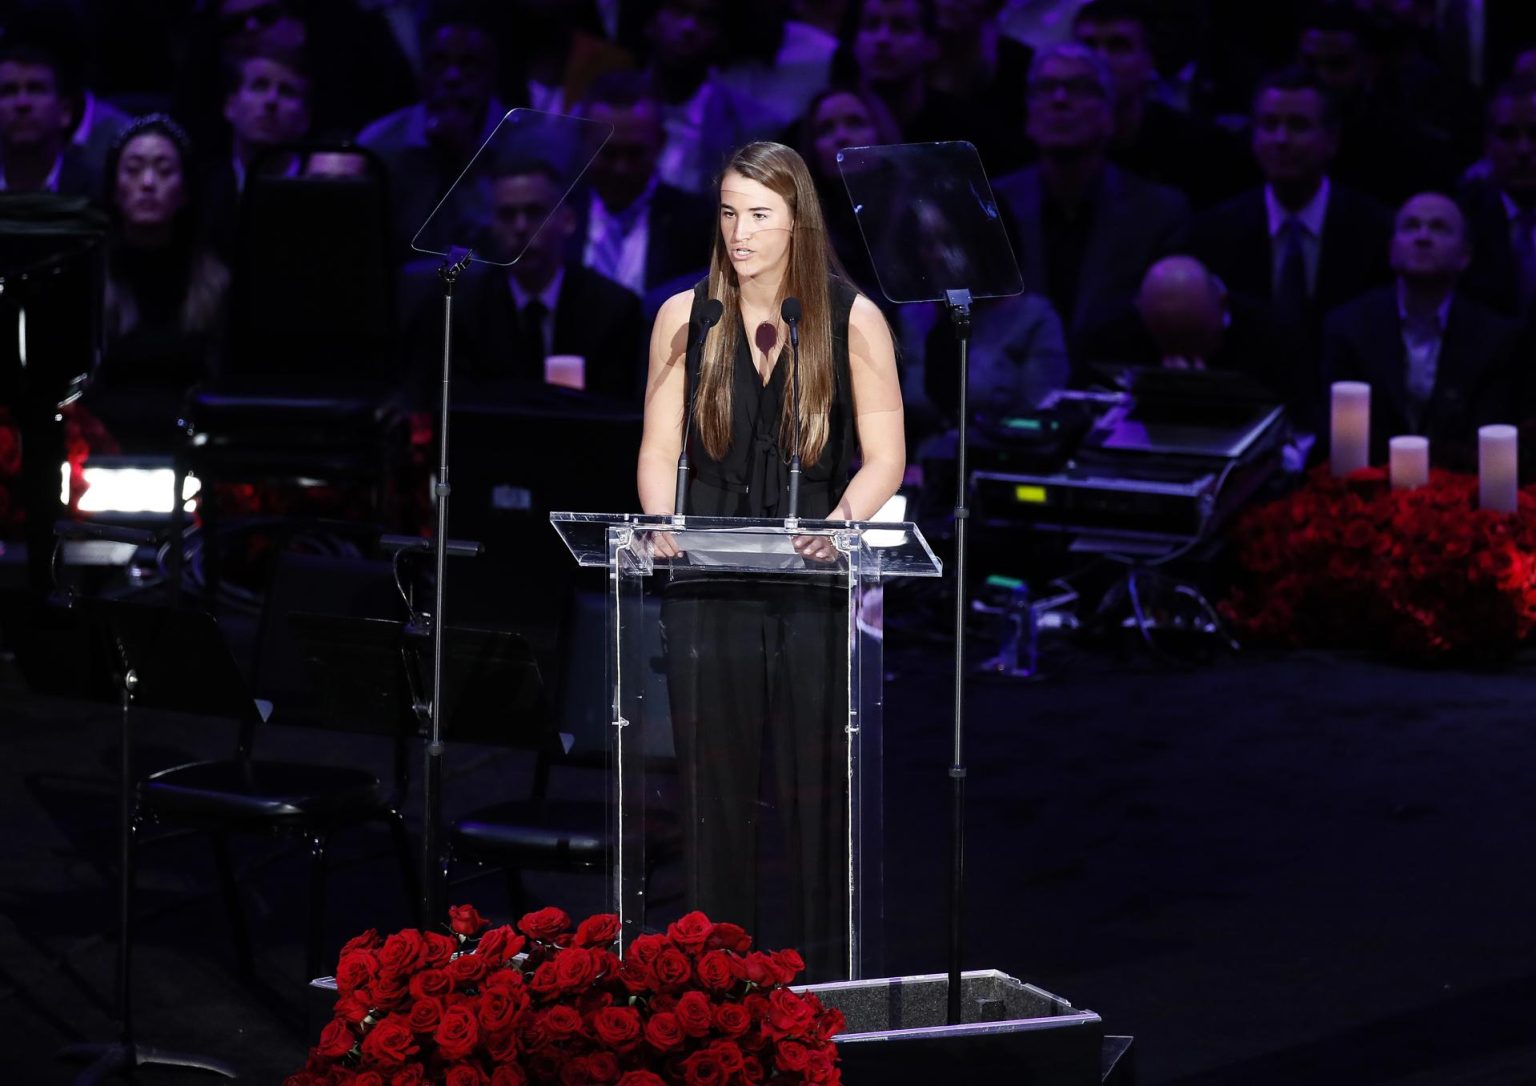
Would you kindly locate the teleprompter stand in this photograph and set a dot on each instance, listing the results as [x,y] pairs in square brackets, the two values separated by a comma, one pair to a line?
[560,147]
[931,224]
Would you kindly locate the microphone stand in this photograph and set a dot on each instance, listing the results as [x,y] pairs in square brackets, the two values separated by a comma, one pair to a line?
[959,303]
[699,331]
[790,311]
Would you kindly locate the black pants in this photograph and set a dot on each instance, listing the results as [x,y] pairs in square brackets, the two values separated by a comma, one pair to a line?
[759,667]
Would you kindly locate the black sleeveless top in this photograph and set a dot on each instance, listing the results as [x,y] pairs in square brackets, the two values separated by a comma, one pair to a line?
[752,478]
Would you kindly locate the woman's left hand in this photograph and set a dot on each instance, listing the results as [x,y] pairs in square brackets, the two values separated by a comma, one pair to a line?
[817,548]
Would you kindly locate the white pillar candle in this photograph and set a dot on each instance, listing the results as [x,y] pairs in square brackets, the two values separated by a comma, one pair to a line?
[1408,463]
[1497,468]
[1350,433]
[567,370]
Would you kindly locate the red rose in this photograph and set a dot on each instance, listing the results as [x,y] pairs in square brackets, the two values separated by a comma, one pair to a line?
[671,969]
[500,1007]
[752,1070]
[499,945]
[431,983]
[389,1043]
[599,1067]
[691,932]
[545,925]
[789,964]
[717,971]
[792,1056]
[617,1027]
[426,1015]
[731,937]
[545,980]
[821,1069]
[694,1014]
[509,1074]
[788,1014]
[353,1008]
[636,975]
[598,930]
[336,1039]
[466,920]
[703,1069]
[467,969]
[507,979]
[732,1019]
[729,1055]
[355,970]
[457,1033]
[759,969]
[403,952]
[663,1032]
[503,1047]
[366,1078]
[645,948]
[639,1078]
[464,1074]
[575,969]
[560,1021]
[390,991]
[411,1075]
[440,947]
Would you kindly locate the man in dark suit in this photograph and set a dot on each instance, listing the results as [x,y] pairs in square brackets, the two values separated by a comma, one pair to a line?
[1085,230]
[1501,208]
[1438,363]
[1152,139]
[630,225]
[1300,244]
[513,319]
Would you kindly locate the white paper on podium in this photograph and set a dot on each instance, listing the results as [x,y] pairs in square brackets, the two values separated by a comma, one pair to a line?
[747,550]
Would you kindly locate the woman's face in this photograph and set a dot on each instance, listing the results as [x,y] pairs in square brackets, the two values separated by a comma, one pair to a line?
[756,225]
[149,181]
[841,120]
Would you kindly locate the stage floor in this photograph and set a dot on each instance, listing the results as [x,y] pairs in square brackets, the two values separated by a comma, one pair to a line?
[1274,869]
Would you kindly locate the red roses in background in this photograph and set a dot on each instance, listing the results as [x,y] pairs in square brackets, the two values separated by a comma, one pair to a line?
[695,1006]
[1351,563]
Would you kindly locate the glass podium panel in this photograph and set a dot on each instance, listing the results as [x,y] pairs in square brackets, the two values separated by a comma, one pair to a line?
[746,750]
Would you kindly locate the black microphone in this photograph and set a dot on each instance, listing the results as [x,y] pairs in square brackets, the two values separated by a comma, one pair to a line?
[709,316]
[789,309]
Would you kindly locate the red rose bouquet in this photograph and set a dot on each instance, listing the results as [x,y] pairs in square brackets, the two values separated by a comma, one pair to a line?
[1351,563]
[543,1003]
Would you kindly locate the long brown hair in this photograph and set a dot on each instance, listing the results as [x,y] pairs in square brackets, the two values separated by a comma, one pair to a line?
[811,264]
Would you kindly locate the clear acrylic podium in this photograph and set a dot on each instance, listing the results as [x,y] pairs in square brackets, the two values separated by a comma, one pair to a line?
[727,563]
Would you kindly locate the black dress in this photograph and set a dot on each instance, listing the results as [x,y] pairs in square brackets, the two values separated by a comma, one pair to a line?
[757,672]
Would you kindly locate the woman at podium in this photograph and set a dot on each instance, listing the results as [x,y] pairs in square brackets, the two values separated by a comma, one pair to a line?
[757,667]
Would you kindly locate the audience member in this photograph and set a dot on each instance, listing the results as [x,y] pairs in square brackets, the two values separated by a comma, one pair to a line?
[36,119]
[1086,230]
[1501,206]
[1039,24]
[1185,318]
[1018,354]
[510,320]
[1438,363]
[1388,147]
[165,289]
[631,226]
[704,118]
[1152,139]
[266,104]
[1300,243]
[426,146]
[985,72]
[800,66]
[837,118]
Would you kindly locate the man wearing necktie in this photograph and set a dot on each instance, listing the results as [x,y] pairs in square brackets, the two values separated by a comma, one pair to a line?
[540,303]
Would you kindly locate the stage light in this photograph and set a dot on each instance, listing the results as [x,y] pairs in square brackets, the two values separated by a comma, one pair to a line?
[120,487]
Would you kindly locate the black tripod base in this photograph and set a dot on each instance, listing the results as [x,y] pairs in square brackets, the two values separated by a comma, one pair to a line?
[109,1060]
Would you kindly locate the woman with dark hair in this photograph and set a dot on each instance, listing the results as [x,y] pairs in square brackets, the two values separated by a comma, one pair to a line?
[165,289]
[762,665]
